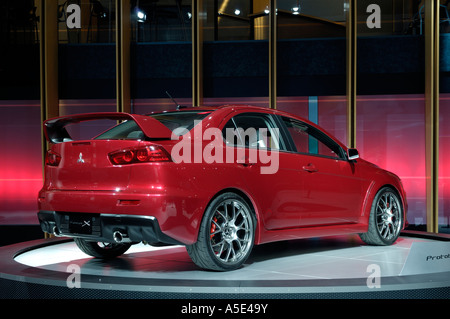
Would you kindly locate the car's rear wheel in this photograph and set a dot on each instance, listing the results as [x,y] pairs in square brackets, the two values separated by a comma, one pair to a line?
[101,250]
[385,220]
[226,235]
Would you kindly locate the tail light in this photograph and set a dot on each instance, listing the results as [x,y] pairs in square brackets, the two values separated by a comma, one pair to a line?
[52,158]
[146,154]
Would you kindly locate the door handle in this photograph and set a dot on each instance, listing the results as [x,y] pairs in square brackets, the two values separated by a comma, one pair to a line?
[311,168]
[245,161]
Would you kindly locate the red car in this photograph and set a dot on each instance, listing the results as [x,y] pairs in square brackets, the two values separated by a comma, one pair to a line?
[216,180]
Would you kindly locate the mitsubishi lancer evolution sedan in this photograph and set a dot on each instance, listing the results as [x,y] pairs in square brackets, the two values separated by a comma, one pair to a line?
[216,180]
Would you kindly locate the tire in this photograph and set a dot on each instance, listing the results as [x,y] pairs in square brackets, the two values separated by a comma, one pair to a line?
[385,220]
[101,250]
[226,235]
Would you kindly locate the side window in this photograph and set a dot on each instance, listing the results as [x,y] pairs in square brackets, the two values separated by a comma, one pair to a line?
[309,140]
[230,134]
[253,130]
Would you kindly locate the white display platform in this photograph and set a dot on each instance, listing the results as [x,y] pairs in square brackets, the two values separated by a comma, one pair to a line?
[335,267]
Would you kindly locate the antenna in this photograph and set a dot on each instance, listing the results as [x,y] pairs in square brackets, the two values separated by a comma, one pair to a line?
[173,100]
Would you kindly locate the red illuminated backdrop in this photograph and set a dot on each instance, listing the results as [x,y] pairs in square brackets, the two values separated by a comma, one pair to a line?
[444,162]
[21,168]
[390,133]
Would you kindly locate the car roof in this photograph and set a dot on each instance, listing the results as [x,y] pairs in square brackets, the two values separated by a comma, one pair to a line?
[235,107]
[244,107]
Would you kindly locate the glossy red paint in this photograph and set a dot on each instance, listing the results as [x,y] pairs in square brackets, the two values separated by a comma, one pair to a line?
[308,196]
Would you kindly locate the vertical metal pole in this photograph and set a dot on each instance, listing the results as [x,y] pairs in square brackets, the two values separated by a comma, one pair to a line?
[432,112]
[48,47]
[48,64]
[273,54]
[216,20]
[351,72]
[123,35]
[197,53]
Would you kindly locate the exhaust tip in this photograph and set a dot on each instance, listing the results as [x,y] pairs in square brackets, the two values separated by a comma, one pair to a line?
[56,231]
[119,237]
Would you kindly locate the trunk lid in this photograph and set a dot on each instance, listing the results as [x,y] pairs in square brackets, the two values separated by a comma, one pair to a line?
[84,164]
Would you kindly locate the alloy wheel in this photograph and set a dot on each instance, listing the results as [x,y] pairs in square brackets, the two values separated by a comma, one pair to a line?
[388,215]
[231,232]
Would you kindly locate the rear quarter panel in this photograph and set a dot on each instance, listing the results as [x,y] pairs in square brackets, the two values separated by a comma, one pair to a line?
[186,190]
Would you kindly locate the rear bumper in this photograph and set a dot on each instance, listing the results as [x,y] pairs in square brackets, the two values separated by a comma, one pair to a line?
[104,227]
[178,211]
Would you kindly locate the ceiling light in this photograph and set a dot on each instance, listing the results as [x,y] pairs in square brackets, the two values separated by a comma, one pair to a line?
[141,16]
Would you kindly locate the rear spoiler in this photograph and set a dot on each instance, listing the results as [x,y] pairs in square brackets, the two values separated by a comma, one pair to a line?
[55,131]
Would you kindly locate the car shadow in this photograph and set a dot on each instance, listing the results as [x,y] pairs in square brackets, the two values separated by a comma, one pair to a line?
[178,260]
[289,248]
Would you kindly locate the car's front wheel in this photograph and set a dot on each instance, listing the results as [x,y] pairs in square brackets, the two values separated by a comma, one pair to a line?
[101,250]
[385,220]
[226,235]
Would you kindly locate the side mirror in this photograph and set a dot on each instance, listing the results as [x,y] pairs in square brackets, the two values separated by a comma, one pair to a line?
[352,154]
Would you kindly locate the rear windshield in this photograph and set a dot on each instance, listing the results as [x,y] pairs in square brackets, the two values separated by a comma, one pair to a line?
[178,122]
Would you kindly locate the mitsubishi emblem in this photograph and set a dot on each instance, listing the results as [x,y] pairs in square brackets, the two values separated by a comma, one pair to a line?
[80,158]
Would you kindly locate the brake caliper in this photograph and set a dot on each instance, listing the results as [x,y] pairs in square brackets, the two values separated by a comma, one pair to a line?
[213,227]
